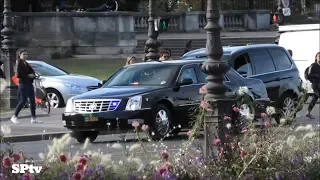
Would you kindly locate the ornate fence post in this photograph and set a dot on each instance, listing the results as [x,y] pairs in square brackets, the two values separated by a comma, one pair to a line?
[152,43]
[8,56]
[215,69]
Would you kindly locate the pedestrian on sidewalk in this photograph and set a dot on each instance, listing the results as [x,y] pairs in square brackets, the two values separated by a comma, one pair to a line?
[25,75]
[314,78]
[165,54]
[131,60]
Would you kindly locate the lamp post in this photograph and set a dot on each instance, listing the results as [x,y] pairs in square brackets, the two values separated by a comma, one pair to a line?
[8,55]
[152,44]
[215,68]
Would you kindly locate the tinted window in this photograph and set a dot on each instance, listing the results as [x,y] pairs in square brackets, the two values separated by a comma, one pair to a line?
[243,65]
[189,73]
[137,75]
[262,61]
[280,58]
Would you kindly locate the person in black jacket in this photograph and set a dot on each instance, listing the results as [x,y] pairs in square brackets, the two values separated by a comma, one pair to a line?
[314,78]
[25,75]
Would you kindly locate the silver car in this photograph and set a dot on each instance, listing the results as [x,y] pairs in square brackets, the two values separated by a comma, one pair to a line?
[61,85]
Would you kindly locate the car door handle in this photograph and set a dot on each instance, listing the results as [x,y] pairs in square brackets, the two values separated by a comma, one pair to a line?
[183,98]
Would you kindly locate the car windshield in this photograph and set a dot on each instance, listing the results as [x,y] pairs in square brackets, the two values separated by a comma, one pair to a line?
[48,70]
[143,75]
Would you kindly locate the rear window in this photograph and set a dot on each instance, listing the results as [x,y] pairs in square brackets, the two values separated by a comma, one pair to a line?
[281,59]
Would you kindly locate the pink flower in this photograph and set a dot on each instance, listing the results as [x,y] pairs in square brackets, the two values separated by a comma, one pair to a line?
[77,176]
[233,146]
[267,124]
[63,158]
[166,165]
[221,152]
[205,105]
[189,133]
[135,124]
[164,154]
[244,130]
[228,136]
[27,176]
[242,154]
[17,156]
[203,90]
[264,115]
[210,110]
[236,109]
[227,118]
[145,127]
[7,162]
[217,141]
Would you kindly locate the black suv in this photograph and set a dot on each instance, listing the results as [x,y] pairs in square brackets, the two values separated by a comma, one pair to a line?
[159,94]
[268,62]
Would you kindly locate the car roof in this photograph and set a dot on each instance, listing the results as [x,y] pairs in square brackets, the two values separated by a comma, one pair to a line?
[169,63]
[230,49]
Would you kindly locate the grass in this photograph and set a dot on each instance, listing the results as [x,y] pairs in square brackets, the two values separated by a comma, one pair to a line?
[99,68]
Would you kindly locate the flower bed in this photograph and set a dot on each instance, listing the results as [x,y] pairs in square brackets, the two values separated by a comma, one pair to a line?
[245,152]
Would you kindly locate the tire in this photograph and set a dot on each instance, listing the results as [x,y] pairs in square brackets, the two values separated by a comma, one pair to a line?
[285,106]
[55,98]
[163,121]
[81,136]
[45,105]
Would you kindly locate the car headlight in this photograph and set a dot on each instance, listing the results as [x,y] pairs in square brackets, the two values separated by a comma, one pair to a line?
[69,106]
[73,87]
[134,103]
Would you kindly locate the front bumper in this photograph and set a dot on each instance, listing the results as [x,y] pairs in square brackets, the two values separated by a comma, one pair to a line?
[104,120]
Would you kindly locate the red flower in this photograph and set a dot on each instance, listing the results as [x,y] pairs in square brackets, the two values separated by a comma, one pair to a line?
[228,136]
[27,177]
[217,141]
[164,154]
[77,176]
[162,171]
[83,160]
[242,154]
[227,118]
[244,130]
[79,167]
[63,158]
[7,162]
[17,157]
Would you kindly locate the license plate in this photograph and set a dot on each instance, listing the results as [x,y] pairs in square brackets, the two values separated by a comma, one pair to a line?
[90,118]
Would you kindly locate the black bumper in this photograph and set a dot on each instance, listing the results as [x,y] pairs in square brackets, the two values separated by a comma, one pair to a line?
[105,120]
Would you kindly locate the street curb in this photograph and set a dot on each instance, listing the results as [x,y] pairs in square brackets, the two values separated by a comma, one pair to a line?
[34,137]
[23,114]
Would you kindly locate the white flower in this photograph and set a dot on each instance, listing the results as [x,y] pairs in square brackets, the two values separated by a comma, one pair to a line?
[290,140]
[116,146]
[41,156]
[3,85]
[307,159]
[304,128]
[271,110]
[86,143]
[243,90]
[228,126]
[134,147]
[306,85]
[5,130]
[283,121]
[309,135]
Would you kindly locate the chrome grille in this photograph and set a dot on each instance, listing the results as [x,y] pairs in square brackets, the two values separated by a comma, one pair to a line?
[96,105]
[90,88]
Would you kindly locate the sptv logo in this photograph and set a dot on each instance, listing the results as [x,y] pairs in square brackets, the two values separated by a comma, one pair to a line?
[22,168]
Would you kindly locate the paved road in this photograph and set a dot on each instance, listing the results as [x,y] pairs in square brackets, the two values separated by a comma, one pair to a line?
[53,123]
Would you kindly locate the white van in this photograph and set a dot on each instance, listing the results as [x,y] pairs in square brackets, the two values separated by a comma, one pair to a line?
[304,41]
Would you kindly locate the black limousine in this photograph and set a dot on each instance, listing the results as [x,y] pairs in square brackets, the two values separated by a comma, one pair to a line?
[159,94]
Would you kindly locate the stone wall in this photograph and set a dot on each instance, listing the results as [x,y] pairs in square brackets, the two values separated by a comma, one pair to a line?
[58,35]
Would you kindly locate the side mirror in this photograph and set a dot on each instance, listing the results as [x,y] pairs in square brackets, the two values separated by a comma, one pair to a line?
[101,83]
[185,81]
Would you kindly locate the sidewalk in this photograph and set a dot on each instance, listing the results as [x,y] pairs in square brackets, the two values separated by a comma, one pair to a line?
[24,113]
[203,35]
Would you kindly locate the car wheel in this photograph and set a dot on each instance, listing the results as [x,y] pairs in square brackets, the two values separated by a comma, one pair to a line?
[161,121]
[81,136]
[286,106]
[55,98]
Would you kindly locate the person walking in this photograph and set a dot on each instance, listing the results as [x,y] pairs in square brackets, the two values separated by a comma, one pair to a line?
[314,78]
[25,75]
[131,60]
